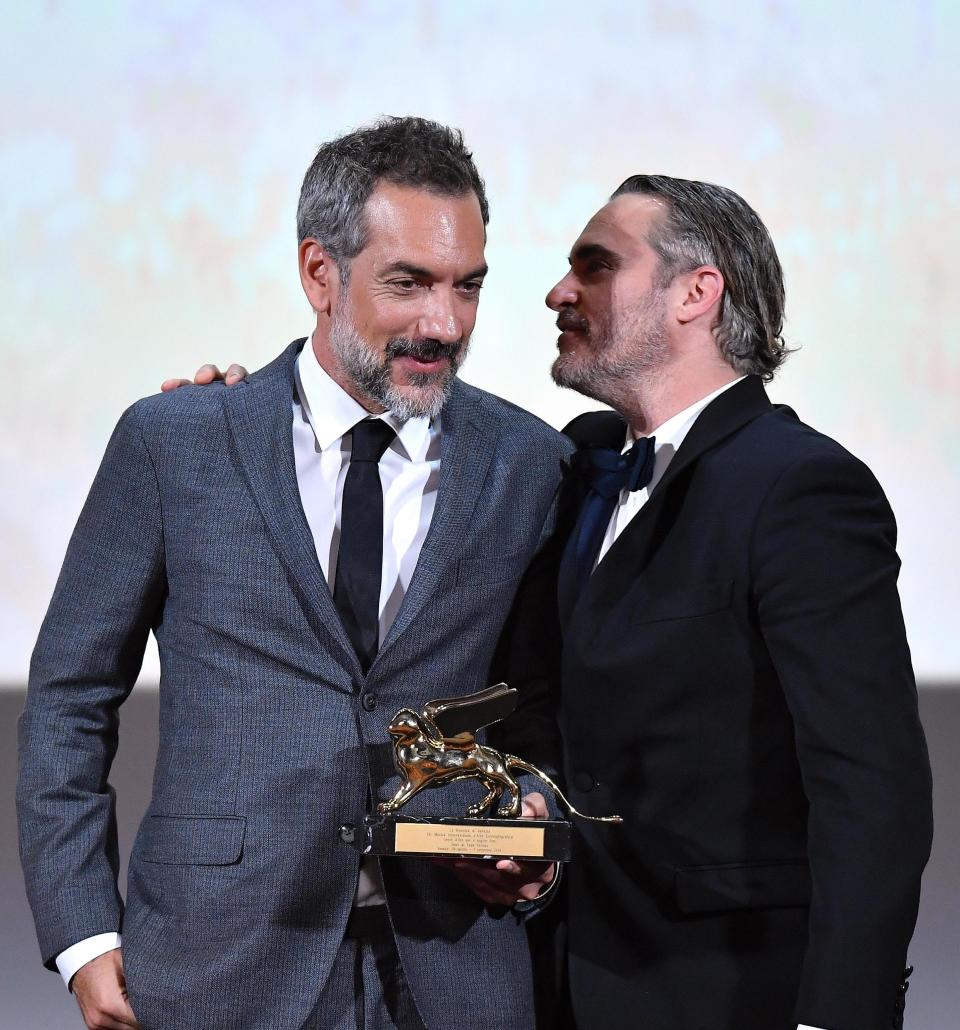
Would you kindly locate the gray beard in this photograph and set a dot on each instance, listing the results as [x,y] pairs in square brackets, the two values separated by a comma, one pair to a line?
[369,371]
[623,361]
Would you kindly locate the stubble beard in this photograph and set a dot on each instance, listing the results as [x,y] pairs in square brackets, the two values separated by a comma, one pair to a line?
[620,361]
[425,393]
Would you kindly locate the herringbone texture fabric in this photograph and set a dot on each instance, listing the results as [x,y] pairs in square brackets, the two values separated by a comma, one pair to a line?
[271,737]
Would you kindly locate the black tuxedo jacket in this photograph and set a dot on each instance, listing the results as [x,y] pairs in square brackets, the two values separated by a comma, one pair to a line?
[736,683]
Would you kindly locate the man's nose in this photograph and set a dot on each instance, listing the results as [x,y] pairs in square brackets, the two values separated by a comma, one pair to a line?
[563,293]
[440,321]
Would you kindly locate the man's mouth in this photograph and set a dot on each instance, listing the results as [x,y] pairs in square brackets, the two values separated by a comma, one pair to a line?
[416,364]
[422,356]
[571,322]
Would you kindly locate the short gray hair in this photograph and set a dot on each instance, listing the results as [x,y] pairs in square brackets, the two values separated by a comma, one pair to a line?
[408,151]
[705,224]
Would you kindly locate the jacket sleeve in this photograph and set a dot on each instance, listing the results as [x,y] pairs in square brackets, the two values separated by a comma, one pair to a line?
[88,655]
[825,572]
[528,653]
[527,658]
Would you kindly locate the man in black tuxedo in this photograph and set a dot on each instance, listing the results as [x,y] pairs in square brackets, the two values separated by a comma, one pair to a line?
[736,680]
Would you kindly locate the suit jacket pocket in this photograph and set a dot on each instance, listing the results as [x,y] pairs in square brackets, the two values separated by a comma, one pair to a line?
[722,888]
[682,604]
[192,840]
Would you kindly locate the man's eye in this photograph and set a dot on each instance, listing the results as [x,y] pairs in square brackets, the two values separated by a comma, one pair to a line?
[596,265]
[471,287]
[405,285]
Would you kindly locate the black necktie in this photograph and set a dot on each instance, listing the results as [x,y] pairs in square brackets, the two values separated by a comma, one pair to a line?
[607,473]
[356,591]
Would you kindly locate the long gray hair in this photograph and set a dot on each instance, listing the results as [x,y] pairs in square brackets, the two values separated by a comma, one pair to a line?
[704,224]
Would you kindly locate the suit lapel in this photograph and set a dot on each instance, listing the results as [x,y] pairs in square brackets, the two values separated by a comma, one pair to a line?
[630,552]
[260,415]
[468,441]
[731,411]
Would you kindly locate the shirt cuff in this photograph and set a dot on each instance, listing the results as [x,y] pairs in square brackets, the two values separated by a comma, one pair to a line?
[79,954]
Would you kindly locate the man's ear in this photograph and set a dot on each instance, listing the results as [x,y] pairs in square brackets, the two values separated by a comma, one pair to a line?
[701,294]
[318,275]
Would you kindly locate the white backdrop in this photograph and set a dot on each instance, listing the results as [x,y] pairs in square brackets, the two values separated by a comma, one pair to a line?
[151,155]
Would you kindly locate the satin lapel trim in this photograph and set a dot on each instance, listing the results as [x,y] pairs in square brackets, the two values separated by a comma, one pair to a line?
[260,417]
[468,442]
[731,411]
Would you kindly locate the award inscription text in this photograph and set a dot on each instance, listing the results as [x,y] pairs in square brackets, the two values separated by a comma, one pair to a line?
[437,839]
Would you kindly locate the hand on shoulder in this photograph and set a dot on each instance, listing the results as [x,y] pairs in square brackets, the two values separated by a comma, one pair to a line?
[207,374]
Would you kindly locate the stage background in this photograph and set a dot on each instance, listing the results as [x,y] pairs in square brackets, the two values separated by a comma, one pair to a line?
[150,160]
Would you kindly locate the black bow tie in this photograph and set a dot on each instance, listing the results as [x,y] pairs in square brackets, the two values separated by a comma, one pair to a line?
[607,473]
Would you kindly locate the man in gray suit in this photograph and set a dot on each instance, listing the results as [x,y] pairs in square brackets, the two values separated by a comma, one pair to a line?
[338,537]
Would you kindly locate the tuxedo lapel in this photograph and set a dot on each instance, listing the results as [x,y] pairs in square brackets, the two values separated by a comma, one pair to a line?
[260,414]
[630,552]
[468,441]
[731,411]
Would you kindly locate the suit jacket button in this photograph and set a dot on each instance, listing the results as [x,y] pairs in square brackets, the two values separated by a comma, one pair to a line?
[348,833]
[583,781]
[369,702]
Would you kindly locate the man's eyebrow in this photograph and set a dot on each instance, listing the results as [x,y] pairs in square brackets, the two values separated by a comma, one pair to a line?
[405,268]
[418,272]
[587,251]
[478,273]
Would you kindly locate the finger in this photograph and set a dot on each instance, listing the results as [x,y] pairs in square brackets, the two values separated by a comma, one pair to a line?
[117,1013]
[496,893]
[481,878]
[235,373]
[529,870]
[207,374]
[482,869]
[537,872]
[520,875]
[98,1019]
[111,1010]
[534,806]
[127,1012]
[490,896]
[503,884]
[172,384]
[530,891]
[120,1010]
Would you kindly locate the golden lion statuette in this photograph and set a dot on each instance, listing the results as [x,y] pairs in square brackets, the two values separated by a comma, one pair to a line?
[438,746]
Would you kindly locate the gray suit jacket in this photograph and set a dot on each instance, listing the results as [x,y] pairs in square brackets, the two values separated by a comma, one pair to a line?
[271,738]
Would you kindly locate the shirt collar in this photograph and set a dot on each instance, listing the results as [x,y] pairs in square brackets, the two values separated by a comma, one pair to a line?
[332,412]
[672,432]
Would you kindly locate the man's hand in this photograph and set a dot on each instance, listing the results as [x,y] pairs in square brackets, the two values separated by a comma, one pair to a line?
[208,374]
[101,992]
[505,881]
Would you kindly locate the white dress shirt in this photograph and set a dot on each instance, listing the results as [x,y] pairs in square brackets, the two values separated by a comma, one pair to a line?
[323,415]
[668,436]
